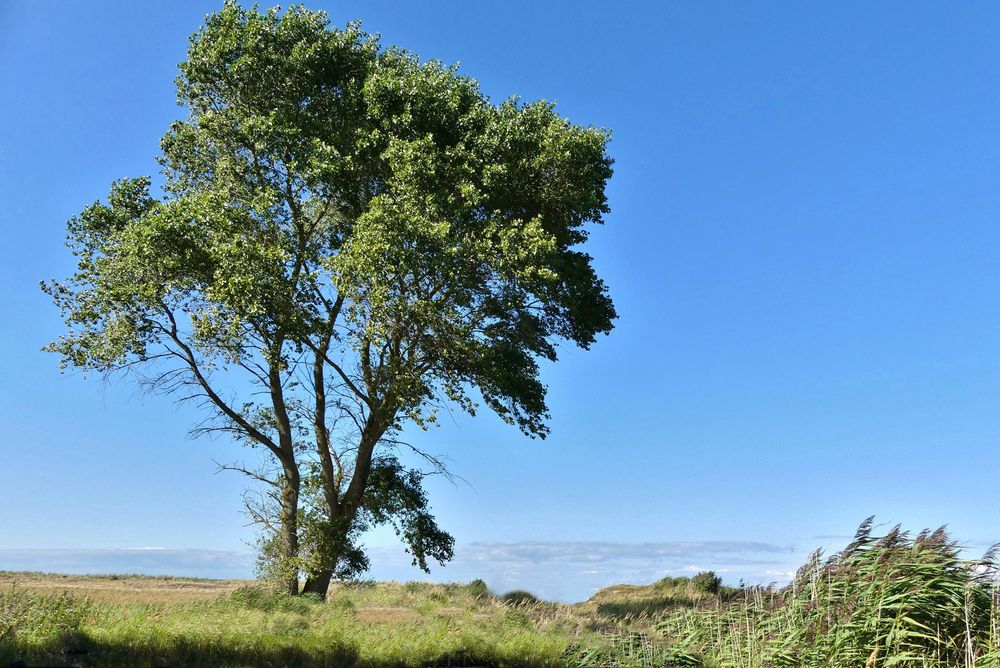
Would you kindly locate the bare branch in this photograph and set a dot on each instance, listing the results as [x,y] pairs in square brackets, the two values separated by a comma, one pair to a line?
[256,475]
[188,356]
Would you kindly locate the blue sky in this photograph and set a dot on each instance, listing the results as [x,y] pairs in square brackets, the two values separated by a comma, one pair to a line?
[803,249]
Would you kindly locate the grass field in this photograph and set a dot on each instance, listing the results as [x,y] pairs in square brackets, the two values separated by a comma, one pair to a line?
[136,620]
[891,600]
[130,620]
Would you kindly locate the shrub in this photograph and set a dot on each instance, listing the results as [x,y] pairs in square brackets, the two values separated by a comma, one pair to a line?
[520,597]
[478,588]
[707,582]
[312,597]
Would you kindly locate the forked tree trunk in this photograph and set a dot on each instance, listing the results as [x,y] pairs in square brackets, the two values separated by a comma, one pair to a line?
[344,512]
[319,582]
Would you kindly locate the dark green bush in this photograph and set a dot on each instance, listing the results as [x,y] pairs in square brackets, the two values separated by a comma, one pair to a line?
[478,588]
[520,597]
[707,582]
[312,597]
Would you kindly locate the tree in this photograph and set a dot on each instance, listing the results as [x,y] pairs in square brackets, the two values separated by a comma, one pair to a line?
[347,240]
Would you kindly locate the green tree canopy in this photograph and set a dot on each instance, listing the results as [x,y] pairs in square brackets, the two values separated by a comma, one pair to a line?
[347,239]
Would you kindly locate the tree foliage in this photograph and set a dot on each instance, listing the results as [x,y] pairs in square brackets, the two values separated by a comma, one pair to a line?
[347,239]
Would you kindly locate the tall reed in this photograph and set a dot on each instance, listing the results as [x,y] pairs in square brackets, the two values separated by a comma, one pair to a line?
[890,600]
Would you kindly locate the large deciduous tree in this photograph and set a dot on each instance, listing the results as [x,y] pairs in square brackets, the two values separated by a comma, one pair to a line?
[347,239]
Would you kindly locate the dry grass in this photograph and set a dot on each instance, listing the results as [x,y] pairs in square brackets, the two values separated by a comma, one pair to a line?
[387,615]
[122,589]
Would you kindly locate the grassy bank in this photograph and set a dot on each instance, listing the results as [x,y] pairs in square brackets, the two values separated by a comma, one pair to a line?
[890,600]
[361,625]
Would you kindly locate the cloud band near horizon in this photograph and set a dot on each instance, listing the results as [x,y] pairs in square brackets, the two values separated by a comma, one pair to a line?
[556,570]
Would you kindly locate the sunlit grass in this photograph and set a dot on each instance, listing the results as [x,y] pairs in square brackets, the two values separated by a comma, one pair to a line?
[383,625]
[890,600]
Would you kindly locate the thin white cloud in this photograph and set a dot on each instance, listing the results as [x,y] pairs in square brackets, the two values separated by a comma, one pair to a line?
[577,552]
[573,571]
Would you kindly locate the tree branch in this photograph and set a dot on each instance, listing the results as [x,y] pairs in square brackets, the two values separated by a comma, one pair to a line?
[188,356]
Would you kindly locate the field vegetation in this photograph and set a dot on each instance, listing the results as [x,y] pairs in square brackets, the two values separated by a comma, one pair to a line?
[889,600]
[885,600]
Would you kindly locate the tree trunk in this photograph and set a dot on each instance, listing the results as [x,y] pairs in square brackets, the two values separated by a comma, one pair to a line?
[318,584]
[289,528]
[289,570]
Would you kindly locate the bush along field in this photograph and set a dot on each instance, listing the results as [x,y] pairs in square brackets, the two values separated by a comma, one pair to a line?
[885,600]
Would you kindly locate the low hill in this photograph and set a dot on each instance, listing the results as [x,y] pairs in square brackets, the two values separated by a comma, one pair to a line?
[638,602]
